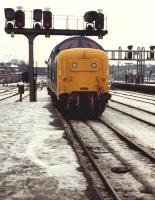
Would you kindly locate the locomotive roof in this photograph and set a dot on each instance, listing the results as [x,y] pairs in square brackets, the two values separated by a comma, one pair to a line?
[76,42]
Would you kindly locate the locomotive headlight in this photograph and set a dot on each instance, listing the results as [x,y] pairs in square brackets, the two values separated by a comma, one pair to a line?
[93,65]
[74,65]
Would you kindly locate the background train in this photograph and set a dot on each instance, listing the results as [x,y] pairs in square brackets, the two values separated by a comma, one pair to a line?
[78,77]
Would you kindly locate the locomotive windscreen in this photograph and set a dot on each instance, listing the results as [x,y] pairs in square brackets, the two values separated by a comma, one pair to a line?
[77,42]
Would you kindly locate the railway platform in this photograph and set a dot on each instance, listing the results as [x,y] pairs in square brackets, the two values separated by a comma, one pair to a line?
[36,160]
[145,88]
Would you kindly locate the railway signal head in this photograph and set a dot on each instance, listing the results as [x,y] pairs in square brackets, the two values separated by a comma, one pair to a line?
[99,22]
[47,19]
[25,77]
[37,17]
[90,16]
[129,55]
[94,17]
[152,48]
[130,47]
[19,19]
[151,55]
[9,16]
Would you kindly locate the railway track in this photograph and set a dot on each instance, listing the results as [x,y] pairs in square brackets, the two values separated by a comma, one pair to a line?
[133,119]
[97,149]
[15,93]
[105,185]
[142,108]
[22,98]
[152,113]
[134,116]
[3,92]
[94,163]
[7,97]
[135,94]
[143,111]
[139,99]
[8,91]
[129,142]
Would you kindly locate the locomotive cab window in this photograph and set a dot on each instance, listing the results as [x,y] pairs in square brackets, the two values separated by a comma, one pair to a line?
[77,42]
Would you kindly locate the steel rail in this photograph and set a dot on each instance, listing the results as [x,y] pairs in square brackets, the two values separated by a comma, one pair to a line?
[129,142]
[133,95]
[130,115]
[9,96]
[23,98]
[7,92]
[3,91]
[99,171]
[133,107]
[121,95]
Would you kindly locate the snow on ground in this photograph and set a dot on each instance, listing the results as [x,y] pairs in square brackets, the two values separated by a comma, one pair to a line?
[14,98]
[32,141]
[138,98]
[138,94]
[134,112]
[144,106]
[139,131]
[35,157]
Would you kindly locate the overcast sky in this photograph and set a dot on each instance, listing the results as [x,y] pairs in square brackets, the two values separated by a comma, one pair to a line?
[129,22]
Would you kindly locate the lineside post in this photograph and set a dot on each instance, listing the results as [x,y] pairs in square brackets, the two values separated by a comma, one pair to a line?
[31,69]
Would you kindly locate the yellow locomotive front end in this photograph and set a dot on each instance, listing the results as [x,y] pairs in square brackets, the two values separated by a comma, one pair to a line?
[78,77]
[82,80]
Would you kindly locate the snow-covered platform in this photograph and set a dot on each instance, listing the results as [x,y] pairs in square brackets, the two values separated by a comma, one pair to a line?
[36,161]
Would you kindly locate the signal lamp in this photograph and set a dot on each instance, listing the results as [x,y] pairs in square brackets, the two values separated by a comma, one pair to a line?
[37,15]
[9,14]
[129,55]
[37,25]
[47,19]
[90,16]
[152,48]
[151,55]
[19,19]
[25,77]
[89,27]
[99,21]
[10,25]
[130,47]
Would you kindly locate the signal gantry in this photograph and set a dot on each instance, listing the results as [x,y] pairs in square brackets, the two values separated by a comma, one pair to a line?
[43,24]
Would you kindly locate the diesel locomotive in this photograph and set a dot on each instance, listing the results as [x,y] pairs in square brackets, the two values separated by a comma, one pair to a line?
[78,79]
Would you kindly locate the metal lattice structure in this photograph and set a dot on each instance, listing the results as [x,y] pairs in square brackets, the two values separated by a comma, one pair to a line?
[140,56]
